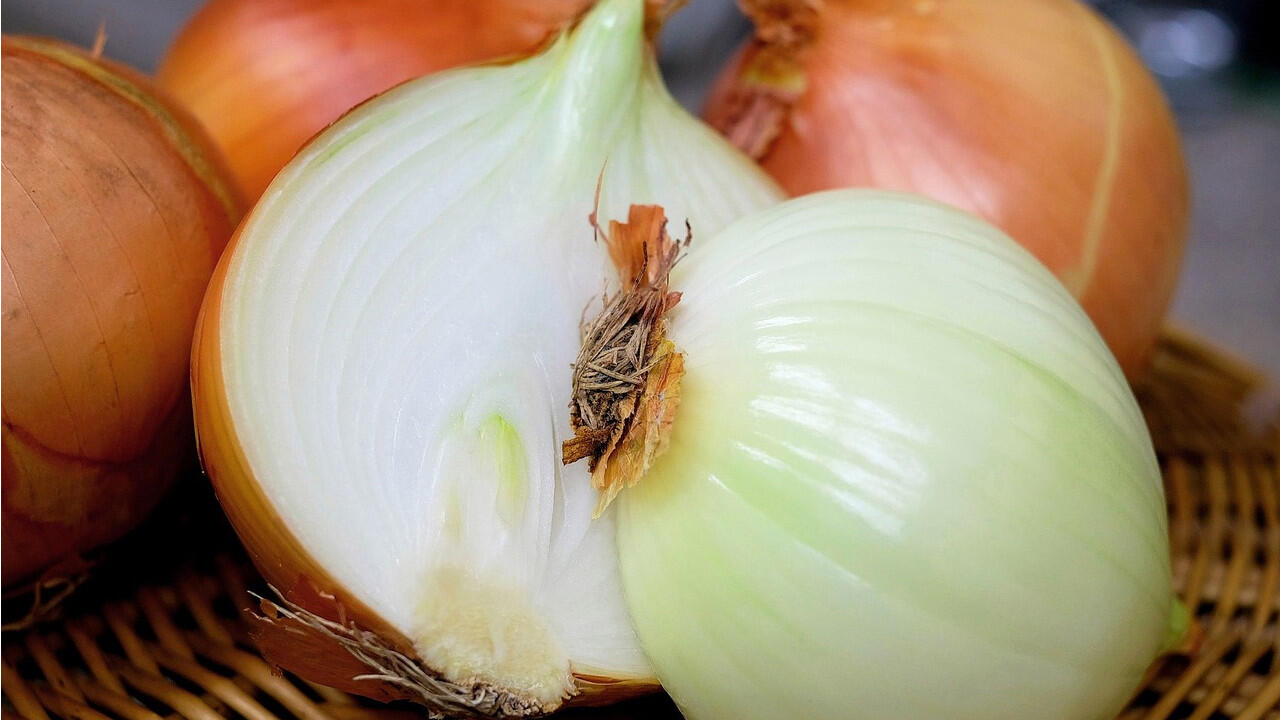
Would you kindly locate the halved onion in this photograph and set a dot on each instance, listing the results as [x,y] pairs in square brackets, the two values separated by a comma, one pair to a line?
[381,374]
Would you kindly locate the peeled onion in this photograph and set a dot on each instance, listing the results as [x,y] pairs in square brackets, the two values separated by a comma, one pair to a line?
[115,212]
[381,374]
[265,75]
[906,479]
[1035,115]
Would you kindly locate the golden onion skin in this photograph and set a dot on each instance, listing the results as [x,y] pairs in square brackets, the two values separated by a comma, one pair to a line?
[115,212]
[1035,115]
[266,75]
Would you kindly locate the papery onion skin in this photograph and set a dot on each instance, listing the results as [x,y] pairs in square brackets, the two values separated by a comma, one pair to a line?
[907,480]
[1035,115]
[116,207]
[266,75]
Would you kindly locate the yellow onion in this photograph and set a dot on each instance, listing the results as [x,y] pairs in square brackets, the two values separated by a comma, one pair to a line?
[1033,114]
[265,75]
[115,212]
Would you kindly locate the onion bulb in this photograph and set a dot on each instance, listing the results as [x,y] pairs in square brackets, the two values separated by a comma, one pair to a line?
[380,374]
[266,75]
[906,479]
[115,212]
[1034,114]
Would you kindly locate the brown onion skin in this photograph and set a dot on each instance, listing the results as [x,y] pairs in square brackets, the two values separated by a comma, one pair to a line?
[266,75]
[1034,114]
[115,209]
[282,559]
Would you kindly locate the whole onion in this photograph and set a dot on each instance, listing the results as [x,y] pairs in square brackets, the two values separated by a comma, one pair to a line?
[115,211]
[1033,114]
[265,75]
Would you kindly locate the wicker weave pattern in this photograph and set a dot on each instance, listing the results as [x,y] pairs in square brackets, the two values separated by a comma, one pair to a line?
[178,649]
[1225,536]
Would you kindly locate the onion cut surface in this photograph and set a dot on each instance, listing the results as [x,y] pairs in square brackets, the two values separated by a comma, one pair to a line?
[907,479]
[381,372]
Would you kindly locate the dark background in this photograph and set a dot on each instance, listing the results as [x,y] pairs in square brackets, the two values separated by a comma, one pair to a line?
[1219,61]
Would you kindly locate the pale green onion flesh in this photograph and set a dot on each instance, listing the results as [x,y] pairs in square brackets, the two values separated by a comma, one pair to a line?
[907,480]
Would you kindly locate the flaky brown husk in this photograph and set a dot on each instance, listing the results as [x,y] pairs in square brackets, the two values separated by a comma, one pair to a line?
[626,379]
[298,639]
[115,212]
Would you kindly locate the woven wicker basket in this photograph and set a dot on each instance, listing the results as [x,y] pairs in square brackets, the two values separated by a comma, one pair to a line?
[167,641]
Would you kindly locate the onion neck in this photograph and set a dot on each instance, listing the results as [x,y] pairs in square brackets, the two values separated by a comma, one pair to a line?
[784,24]
[601,63]
[771,77]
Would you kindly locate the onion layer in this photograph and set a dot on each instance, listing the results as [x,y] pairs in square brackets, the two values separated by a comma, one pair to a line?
[380,373]
[1034,114]
[115,211]
[906,479]
[266,75]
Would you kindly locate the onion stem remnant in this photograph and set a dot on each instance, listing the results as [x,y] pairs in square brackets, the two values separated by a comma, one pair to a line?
[626,380]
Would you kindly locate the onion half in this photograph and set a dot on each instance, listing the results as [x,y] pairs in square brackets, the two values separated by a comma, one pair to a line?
[381,374]
[1035,115]
[115,211]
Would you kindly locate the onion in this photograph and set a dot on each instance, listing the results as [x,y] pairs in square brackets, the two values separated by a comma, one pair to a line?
[871,444]
[381,374]
[115,212]
[906,479]
[1032,114]
[266,75]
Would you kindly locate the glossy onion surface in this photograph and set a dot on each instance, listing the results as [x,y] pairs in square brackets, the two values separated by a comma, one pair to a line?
[907,480]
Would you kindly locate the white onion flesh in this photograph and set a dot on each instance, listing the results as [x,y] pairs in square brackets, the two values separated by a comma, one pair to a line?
[398,321]
[907,480]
